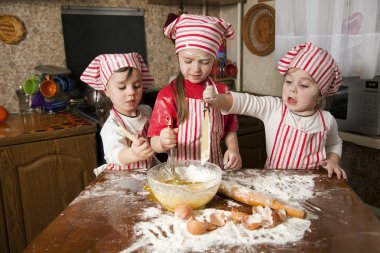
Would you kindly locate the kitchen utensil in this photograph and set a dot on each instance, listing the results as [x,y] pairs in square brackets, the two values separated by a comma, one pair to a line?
[38,100]
[59,80]
[24,101]
[70,82]
[133,138]
[49,88]
[205,141]
[172,163]
[254,198]
[199,184]
[52,70]
[93,97]
[31,85]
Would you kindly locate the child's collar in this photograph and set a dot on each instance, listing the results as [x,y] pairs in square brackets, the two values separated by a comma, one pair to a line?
[137,113]
[188,82]
[304,116]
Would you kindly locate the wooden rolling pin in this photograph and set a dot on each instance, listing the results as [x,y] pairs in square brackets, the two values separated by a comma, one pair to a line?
[254,198]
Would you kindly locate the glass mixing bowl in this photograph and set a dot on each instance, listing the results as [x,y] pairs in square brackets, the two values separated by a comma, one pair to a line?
[192,183]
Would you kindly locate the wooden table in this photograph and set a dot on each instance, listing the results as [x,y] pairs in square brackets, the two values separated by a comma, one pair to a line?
[103,216]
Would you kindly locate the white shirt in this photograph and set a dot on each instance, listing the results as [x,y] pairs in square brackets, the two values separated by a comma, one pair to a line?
[113,140]
[269,110]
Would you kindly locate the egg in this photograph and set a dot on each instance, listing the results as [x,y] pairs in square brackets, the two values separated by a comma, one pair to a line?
[211,227]
[251,222]
[218,219]
[196,227]
[282,215]
[237,216]
[257,209]
[269,218]
[183,212]
[275,220]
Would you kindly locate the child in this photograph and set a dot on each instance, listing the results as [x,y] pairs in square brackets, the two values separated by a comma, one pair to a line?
[178,114]
[298,134]
[122,77]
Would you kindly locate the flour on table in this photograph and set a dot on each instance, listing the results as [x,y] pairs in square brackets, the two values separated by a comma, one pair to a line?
[286,188]
[120,185]
[162,232]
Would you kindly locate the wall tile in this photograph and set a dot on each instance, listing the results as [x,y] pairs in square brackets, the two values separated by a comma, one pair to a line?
[44,44]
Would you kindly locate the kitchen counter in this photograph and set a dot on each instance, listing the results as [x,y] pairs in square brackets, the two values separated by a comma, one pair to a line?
[362,140]
[21,128]
[116,213]
[46,160]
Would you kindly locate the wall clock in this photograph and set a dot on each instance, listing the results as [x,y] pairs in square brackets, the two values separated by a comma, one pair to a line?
[259,29]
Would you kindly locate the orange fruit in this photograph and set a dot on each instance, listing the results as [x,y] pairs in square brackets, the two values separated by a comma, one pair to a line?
[3,114]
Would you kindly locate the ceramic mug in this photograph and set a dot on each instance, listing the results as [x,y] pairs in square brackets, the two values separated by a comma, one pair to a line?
[31,85]
[49,88]
[61,81]
[70,82]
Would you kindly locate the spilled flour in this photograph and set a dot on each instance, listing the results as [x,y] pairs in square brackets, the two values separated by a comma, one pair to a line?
[286,188]
[165,233]
[162,232]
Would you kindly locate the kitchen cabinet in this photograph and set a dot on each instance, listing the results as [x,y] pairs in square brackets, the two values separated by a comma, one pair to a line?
[251,138]
[45,162]
[362,165]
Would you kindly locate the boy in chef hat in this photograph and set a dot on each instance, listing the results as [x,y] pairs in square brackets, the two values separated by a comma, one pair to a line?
[122,77]
[299,135]
[180,105]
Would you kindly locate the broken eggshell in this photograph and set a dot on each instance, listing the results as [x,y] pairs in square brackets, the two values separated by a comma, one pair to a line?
[252,222]
[218,219]
[237,216]
[183,212]
[196,227]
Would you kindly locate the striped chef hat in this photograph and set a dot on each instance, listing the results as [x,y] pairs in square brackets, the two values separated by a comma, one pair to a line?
[317,62]
[199,32]
[103,66]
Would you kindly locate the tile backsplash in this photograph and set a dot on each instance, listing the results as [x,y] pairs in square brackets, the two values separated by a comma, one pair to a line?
[44,45]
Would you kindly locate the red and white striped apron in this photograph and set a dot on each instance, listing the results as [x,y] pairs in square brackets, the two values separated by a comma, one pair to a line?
[145,164]
[295,149]
[190,134]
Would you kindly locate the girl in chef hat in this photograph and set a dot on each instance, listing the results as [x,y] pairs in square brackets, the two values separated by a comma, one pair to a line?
[299,135]
[122,77]
[180,105]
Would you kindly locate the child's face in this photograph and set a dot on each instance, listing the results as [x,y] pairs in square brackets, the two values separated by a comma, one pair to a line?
[300,92]
[195,64]
[125,93]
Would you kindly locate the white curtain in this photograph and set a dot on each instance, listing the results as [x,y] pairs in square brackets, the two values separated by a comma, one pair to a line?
[348,29]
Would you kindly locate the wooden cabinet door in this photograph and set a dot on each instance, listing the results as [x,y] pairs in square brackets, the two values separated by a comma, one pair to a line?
[40,179]
[251,140]
[252,150]
[4,248]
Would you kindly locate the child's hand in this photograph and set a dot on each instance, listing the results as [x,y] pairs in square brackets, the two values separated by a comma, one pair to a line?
[210,96]
[168,138]
[333,167]
[142,149]
[232,160]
